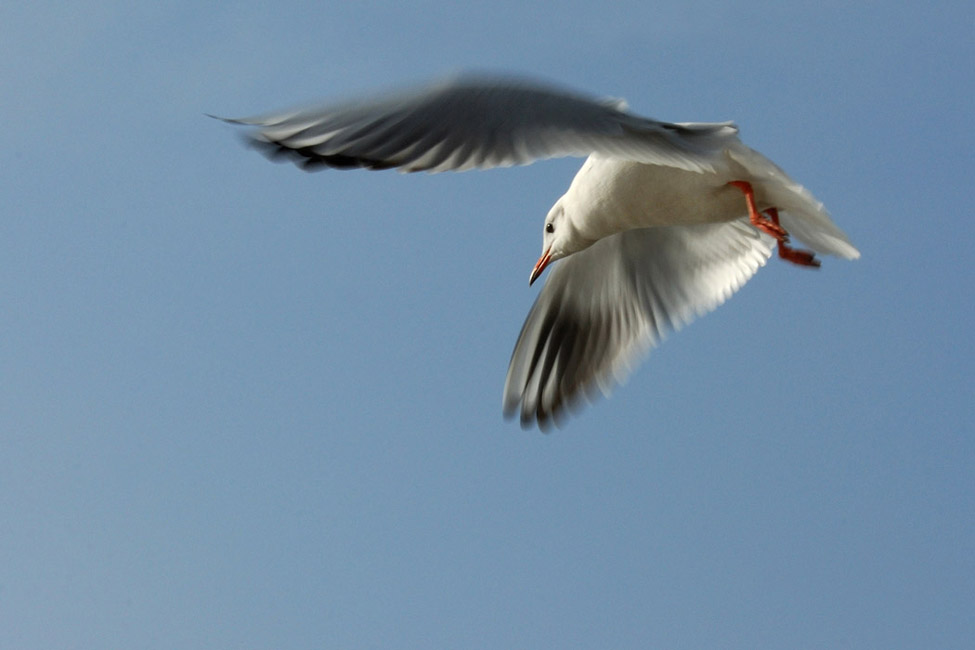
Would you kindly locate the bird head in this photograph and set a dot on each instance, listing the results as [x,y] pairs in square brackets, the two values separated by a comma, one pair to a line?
[560,239]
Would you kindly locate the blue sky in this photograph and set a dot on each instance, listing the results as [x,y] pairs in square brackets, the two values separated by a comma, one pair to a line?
[243,406]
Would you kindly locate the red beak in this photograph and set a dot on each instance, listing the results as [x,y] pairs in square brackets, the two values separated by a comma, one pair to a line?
[540,266]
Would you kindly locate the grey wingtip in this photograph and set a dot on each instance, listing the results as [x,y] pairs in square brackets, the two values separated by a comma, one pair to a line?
[532,414]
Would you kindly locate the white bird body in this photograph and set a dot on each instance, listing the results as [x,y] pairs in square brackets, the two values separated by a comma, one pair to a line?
[654,228]
[610,195]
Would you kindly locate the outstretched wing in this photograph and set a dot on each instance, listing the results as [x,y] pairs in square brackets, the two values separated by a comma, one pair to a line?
[480,122]
[602,308]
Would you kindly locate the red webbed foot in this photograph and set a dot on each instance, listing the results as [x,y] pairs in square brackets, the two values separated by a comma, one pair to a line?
[788,253]
[770,226]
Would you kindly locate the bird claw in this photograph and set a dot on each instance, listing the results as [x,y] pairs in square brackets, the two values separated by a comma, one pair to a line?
[797,256]
[770,226]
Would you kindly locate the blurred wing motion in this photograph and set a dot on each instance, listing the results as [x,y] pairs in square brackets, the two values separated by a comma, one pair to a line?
[604,307]
[480,122]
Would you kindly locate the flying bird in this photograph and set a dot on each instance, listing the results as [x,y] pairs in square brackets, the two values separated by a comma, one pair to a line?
[662,223]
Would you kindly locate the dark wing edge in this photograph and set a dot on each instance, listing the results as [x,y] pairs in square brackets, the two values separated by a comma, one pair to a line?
[478,122]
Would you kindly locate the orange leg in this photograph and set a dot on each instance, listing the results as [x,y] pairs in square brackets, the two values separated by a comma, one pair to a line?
[770,226]
[788,253]
[765,225]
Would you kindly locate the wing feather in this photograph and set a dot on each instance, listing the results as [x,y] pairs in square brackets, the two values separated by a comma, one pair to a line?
[481,122]
[605,306]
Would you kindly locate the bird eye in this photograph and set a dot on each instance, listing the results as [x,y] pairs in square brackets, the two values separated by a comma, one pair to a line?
[549,227]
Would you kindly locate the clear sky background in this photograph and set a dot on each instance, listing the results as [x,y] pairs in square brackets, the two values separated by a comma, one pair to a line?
[242,406]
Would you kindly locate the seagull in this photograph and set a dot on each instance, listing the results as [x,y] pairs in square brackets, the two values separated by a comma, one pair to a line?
[661,224]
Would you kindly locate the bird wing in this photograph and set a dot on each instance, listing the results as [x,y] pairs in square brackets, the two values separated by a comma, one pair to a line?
[602,308]
[481,122]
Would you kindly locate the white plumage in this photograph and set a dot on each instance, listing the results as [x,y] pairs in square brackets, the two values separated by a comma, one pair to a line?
[651,231]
